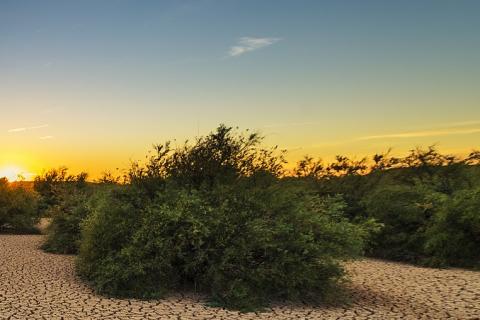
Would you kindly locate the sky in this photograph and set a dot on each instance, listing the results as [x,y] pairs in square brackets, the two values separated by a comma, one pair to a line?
[92,85]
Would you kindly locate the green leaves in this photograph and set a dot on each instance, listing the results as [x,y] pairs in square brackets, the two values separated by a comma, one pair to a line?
[18,208]
[454,235]
[242,244]
[426,227]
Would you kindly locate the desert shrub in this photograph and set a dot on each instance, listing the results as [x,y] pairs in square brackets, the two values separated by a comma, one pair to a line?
[63,233]
[50,187]
[68,199]
[213,215]
[409,195]
[18,208]
[405,213]
[242,245]
[425,226]
[454,236]
[221,157]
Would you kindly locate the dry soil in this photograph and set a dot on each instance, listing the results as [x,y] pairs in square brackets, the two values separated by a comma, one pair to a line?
[37,285]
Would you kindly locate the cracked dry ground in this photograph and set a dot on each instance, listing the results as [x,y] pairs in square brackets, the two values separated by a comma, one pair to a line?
[37,285]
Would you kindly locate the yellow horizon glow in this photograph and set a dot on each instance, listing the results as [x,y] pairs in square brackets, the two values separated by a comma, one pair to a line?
[23,155]
[13,173]
[26,168]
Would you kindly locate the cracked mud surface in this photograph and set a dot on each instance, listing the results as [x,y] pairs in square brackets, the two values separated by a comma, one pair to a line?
[37,285]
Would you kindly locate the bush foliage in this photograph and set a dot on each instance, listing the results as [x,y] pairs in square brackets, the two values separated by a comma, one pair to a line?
[18,208]
[242,245]
[425,202]
[65,202]
[405,212]
[454,235]
[215,216]
[223,216]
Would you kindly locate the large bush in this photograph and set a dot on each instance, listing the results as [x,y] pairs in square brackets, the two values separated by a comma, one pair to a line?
[18,208]
[454,237]
[241,245]
[427,227]
[417,199]
[215,216]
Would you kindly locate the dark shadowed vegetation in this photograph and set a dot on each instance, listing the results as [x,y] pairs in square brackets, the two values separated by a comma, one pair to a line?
[427,203]
[18,208]
[66,198]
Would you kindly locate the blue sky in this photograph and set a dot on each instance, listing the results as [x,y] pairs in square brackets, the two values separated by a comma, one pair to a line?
[95,83]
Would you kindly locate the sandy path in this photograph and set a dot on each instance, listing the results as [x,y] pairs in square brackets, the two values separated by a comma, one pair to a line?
[36,285]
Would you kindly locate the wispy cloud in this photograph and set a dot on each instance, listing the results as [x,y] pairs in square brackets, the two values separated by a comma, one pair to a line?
[46,137]
[27,128]
[48,64]
[249,44]
[419,134]
[461,124]
[17,130]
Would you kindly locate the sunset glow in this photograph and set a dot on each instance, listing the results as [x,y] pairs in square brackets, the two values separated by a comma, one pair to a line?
[239,159]
[92,85]
[12,173]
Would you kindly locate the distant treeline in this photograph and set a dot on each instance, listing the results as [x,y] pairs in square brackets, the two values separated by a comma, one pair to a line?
[222,215]
[427,202]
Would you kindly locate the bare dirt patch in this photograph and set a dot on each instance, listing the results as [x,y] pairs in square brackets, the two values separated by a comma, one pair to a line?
[37,285]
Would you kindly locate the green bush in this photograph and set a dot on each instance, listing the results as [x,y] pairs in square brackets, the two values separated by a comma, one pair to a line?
[65,200]
[214,215]
[426,227]
[405,213]
[50,186]
[63,233]
[18,209]
[454,237]
[242,245]
[411,196]
[221,157]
